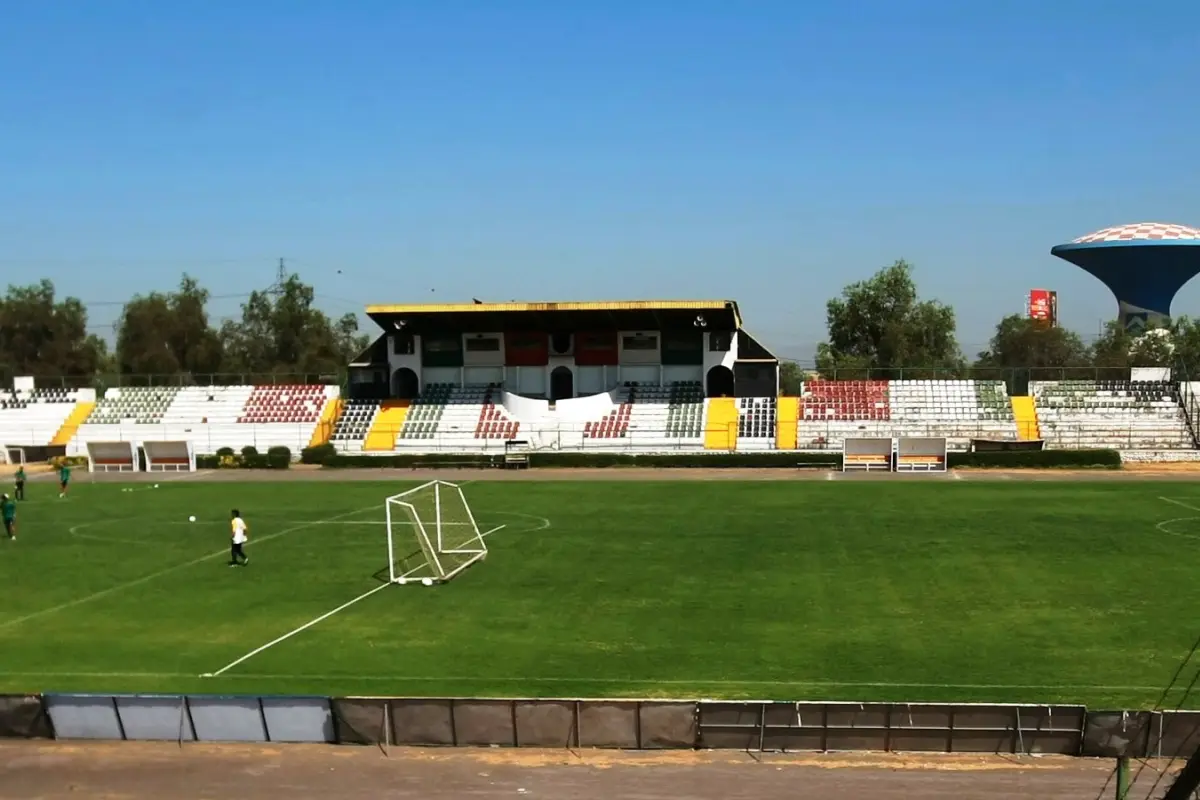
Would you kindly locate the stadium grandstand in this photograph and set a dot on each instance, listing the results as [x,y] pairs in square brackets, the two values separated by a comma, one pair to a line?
[637,376]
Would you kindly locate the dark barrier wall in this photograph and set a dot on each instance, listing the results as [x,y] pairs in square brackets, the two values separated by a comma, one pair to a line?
[623,724]
[517,723]
[24,717]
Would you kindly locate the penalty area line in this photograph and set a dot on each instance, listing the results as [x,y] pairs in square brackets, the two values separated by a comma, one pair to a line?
[167,571]
[319,619]
[292,633]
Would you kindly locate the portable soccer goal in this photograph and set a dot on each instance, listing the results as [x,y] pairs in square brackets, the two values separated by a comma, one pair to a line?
[432,534]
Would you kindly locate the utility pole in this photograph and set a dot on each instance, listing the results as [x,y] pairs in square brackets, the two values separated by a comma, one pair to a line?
[281,277]
[1187,781]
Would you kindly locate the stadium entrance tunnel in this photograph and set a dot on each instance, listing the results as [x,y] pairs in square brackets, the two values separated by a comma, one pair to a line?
[719,382]
[562,384]
[405,385]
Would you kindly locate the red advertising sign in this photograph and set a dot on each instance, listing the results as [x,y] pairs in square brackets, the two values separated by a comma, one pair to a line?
[1043,306]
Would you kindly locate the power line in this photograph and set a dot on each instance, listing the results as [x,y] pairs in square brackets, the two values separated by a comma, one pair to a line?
[1158,707]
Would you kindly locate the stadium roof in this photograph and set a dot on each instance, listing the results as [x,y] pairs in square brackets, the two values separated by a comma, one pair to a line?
[630,315]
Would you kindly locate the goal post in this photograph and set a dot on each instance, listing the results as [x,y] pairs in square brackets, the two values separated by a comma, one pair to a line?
[432,534]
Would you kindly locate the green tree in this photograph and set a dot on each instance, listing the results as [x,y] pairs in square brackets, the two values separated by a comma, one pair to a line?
[1111,352]
[791,378]
[1022,350]
[1185,332]
[880,326]
[43,336]
[283,333]
[168,334]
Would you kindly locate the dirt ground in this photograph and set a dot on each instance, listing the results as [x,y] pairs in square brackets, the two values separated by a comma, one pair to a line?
[145,771]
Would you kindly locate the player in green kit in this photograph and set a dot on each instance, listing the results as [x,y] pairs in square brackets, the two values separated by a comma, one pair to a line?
[20,482]
[64,479]
[8,510]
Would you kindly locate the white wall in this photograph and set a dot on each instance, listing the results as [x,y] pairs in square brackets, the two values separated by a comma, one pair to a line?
[719,358]
[646,374]
[441,375]
[682,372]
[528,380]
[412,361]
[483,374]
[639,356]
[493,358]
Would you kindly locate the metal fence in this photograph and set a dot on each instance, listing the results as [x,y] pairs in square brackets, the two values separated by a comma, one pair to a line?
[621,724]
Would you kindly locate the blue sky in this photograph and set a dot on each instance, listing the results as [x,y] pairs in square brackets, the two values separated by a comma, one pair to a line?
[764,151]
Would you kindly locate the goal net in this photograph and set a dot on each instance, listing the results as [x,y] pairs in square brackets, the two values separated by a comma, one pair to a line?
[432,535]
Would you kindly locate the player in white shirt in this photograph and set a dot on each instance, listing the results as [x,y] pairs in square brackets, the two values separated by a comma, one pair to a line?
[238,528]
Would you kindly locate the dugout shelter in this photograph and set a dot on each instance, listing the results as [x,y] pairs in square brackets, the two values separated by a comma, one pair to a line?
[560,351]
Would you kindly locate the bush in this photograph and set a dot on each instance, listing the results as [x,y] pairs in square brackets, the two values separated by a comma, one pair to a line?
[318,454]
[74,462]
[249,458]
[1038,459]
[279,457]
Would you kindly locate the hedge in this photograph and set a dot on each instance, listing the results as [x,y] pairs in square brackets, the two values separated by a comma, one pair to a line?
[1012,459]
[1038,459]
[249,458]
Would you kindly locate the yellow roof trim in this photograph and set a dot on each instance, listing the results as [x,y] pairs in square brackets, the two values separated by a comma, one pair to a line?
[625,305]
[622,305]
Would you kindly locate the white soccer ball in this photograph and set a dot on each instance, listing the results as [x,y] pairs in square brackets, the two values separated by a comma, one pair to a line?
[401,581]
[156,486]
[191,519]
[427,581]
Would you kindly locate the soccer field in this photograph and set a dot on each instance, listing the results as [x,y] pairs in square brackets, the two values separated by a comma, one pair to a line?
[904,590]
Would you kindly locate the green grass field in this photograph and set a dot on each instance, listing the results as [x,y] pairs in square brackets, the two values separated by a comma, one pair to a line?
[913,590]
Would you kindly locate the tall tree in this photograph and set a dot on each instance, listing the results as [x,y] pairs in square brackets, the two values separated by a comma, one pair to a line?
[284,333]
[168,333]
[879,326]
[1185,332]
[1022,343]
[1111,352]
[43,336]
[791,378]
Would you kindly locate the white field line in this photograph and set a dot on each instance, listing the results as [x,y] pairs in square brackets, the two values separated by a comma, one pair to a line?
[1180,503]
[292,633]
[321,618]
[595,680]
[147,578]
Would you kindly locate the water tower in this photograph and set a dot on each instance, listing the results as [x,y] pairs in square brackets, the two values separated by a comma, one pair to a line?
[1144,264]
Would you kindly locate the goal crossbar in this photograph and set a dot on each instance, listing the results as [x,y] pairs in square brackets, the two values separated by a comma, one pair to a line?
[436,514]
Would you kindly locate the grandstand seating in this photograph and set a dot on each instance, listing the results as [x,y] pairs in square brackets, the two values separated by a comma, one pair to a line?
[958,410]
[211,417]
[1128,415]
[756,423]
[424,415]
[494,422]
[614,424]
[141,405]
[456,417]
[832,410]
[650,417]
[293,404]
[30,419]
[350,429]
